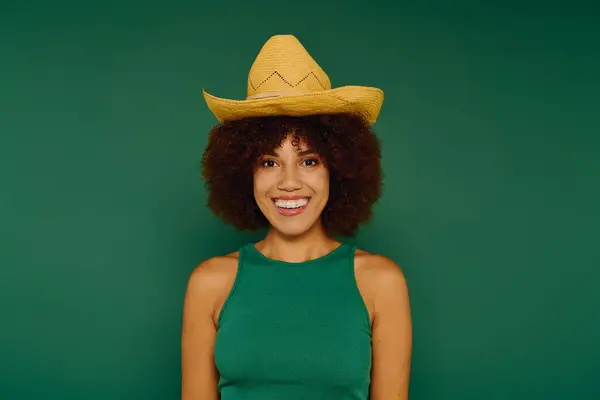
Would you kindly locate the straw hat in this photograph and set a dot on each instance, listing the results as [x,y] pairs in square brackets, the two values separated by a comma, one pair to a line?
[285,80]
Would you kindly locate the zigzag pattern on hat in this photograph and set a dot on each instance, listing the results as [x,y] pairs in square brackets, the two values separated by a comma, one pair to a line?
[286,81]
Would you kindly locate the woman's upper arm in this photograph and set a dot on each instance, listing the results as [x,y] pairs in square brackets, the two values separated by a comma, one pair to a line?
[199,376]
[391,332]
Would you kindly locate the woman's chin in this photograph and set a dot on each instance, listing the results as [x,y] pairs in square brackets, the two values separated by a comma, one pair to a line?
[291,227]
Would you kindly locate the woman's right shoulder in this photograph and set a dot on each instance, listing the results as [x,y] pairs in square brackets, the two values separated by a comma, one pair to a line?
[215,276]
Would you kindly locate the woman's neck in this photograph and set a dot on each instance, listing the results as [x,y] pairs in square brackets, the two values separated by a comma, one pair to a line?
[311,245]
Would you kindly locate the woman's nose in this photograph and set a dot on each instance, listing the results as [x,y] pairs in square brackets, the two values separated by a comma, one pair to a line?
[289,179]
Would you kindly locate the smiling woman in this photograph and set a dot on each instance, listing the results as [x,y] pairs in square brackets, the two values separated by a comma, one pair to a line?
[298,315]
[331,159]
[298,167]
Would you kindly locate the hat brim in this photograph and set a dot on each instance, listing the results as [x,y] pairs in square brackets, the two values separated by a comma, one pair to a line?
[362,100]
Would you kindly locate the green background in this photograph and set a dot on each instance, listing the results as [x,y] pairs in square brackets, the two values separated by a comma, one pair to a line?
[491,153]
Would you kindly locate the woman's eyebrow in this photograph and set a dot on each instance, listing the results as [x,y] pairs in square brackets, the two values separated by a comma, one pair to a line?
[300,153]
[305,152]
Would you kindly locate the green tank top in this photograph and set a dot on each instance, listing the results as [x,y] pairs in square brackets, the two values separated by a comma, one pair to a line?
[294,331]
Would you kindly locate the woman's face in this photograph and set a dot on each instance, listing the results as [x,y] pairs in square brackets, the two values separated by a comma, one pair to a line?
[291,187]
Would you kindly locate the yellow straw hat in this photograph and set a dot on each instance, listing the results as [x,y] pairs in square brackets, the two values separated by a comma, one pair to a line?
[285,80]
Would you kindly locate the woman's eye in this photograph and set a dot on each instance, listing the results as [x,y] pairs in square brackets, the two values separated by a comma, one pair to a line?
[268,163]
[311,162]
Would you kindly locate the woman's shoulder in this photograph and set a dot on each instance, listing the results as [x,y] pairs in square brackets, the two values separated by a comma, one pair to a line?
[212,279]
[216,268]
[378,271]
[375,262]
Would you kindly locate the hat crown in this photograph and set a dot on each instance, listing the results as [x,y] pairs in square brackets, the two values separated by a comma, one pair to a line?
[283,66]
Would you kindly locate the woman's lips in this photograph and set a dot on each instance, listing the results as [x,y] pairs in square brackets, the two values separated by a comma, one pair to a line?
[291,211]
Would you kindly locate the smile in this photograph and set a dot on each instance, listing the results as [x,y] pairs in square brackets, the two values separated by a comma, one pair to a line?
[291,206]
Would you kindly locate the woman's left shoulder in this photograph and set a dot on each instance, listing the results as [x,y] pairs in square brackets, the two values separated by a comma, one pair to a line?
[381,283]
[378,270]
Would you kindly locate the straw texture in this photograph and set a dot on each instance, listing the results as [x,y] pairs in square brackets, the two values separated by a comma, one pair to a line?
[285,80]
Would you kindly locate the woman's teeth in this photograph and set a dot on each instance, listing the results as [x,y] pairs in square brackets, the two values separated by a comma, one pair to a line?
[291,204]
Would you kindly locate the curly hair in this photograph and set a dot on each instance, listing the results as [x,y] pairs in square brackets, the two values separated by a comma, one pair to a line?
[349,149]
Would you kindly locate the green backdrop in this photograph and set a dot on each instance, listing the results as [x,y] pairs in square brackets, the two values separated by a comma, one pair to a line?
[491,153]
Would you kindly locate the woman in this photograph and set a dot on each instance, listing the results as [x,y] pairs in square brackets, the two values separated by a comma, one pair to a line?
[298,315]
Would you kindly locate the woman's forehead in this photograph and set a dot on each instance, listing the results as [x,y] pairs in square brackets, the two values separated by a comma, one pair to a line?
[300,143]
[293,144]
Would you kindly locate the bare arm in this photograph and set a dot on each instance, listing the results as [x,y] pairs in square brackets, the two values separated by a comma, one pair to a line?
[199,374]
[391,333]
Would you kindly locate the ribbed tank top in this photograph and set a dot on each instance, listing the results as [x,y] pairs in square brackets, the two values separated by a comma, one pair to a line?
[294,331]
